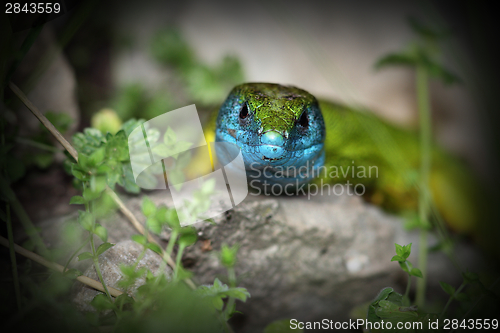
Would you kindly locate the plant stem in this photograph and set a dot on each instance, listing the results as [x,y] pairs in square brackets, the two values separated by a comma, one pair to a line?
[232,284]
[425,163]
[15,276]
[171,243]
[74,254]
[166,254]
[178,261]
[451,299]
[406,296]
[97,269]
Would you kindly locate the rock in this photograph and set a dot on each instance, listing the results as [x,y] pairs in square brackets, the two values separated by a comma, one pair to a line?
[304,259]
[300,257]
[123,253]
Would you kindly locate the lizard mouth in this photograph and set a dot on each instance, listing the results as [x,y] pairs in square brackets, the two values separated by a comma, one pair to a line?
[271,159]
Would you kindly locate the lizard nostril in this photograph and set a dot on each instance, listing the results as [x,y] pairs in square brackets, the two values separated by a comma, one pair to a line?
[272,138]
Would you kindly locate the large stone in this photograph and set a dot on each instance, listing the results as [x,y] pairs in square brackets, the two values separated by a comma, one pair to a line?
[123,253]
[300,257]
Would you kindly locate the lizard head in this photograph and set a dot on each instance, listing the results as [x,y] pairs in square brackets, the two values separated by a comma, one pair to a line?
[275,126]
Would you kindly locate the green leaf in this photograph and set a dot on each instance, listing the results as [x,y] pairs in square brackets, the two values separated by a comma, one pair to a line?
[470,277]
[188,236]
[208,186]
[407,250]
[83,162]
[97,157]
[101,232]
[140,239]
[154,247]
[399,250]
[406,266]
[132,123]
[230,311]
[396,59]
[219,290]
[182,146]
[163,150]
[117,147]
[148,207]
[170,138]
[122,300]
[218,303]
[98,183]
[239,293]
[281,326]
[101,302]
[438,71]
[72,273]
[128,270]
[228,255]
[172,218]
[397,258]
[77,200]
[103,248]
[78,173]
[383,294]
[161,214]
[86,220]
[89,194]
[390,311]
[85,256]
[447,288]
[416,272]
[127,180]
[153,225]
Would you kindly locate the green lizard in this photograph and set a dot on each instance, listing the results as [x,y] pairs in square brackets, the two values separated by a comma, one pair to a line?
[280,129]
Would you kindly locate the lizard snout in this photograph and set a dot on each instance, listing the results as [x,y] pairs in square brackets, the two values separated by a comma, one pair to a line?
[272,145]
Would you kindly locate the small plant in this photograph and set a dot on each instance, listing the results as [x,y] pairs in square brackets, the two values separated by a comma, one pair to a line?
[422,55]
[402,254]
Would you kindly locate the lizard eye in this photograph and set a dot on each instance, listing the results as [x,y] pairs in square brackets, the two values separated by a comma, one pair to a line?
[304,120]
[244,111]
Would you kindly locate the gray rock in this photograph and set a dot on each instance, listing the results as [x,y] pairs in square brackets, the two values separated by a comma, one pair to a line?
[304,259]
[300,257]
[123,253]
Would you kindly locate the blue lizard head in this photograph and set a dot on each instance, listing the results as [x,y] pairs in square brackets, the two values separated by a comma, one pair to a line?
[279,129]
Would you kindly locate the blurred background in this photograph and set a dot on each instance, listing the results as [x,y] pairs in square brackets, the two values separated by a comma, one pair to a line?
[101,64]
